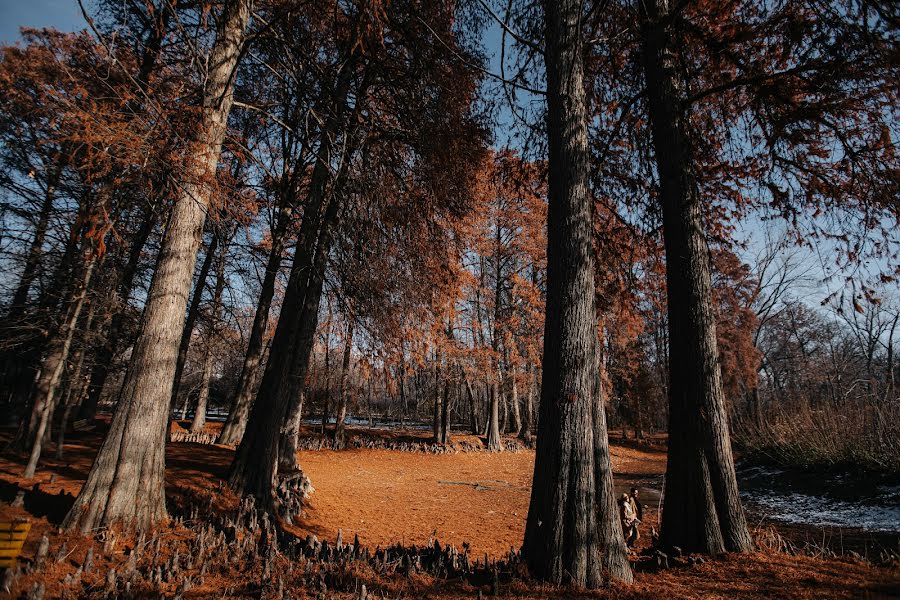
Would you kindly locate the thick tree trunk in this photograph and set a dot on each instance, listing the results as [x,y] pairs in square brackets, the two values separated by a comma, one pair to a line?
[236,423]
[126,481]
[343,388]
[54,363]
[290,432]
[192,314]
[702,510]
[572,533]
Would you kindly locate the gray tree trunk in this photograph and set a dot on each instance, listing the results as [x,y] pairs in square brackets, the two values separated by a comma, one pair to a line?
[199,421]
[236,423]
[344,388]
[54,363]
[572,533]
[702,510]
[126,481]
[192,314]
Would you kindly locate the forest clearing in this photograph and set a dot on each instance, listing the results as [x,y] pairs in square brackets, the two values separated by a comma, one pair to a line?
[449,298]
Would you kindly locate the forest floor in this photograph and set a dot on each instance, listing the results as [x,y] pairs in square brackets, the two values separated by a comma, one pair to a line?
[388,497]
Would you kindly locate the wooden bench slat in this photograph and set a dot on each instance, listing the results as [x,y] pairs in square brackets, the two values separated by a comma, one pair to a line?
[11,544]
[13,537]
[9,552]
[19,526]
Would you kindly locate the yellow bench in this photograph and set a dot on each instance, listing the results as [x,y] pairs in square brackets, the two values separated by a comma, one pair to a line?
[12,536]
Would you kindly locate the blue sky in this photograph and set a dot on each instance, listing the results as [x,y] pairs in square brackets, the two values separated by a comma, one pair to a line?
[61,14]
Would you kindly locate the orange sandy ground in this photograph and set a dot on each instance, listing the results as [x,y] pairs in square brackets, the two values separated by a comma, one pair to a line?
[388,497]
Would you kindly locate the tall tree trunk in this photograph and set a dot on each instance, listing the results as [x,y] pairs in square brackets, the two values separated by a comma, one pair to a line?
[54,363]
[256,461]
[473,406]
[445,415]
[514,401]
[77,384]
[343,388]
[493,420]
[192,314]
[110,348]
[525,433]
[233,429]
[126,481]
[702,510]
[199,421]
[572,532]
[436,403]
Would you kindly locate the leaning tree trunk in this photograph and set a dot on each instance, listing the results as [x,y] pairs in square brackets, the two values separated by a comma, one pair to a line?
[126,481]
[36,250]
[193,312]
[54,363]
[257,459]
[572,533]
[77,385]
[199,421]
[256,462]
[343,389]
[108,350]
[702,510]
[233,429]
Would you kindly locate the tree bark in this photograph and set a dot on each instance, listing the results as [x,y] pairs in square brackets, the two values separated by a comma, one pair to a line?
[236,423]
[514,401]
[473,406]
[53,365]
[572,533]
[290,432]
[525,433]
[702,509]
[126,481]
[199,421]
[108,351]
[343,388]
[445,415]
[256,462]
[493,421]
[436,404]
[192,313]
